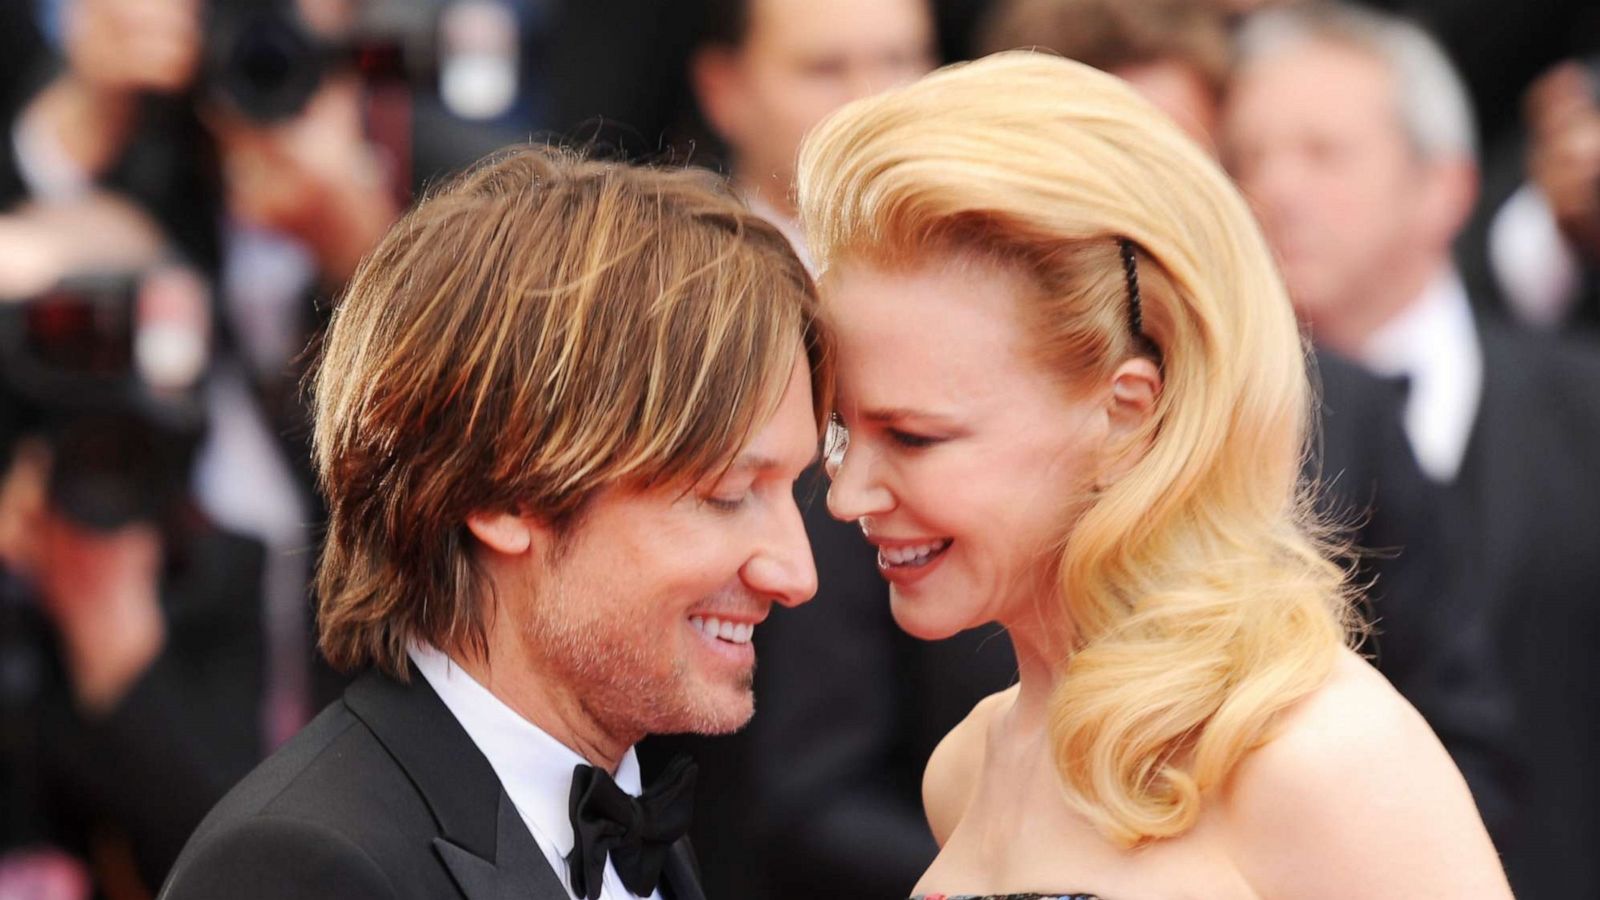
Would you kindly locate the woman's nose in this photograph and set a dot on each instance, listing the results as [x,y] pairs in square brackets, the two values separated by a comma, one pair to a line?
[856,490]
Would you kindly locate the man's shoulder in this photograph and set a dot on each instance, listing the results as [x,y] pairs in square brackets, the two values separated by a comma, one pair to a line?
[1552,379]
[332,805]
[1537,354]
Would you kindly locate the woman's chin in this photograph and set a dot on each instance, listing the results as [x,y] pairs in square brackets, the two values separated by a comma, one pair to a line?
[923,621]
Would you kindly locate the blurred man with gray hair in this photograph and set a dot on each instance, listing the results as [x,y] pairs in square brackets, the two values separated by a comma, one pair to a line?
[1353,135]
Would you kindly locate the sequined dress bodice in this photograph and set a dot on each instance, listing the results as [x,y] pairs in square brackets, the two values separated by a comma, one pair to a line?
[1005,897]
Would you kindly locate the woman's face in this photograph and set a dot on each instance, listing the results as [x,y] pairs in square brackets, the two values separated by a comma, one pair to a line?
[966,460]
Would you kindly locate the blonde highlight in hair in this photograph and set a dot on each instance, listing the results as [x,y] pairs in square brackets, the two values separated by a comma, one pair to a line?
[539,329]
[1196,590]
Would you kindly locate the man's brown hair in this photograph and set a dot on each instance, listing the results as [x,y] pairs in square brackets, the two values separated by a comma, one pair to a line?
[1112,34]
[541,328]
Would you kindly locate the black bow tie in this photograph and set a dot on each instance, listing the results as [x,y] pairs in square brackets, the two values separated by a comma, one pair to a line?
[635,832]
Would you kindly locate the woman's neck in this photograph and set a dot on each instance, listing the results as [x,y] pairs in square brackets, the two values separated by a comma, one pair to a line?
[1041,661]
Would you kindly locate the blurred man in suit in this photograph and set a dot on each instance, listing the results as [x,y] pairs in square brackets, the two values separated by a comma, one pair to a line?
[766,71]
[1354,137]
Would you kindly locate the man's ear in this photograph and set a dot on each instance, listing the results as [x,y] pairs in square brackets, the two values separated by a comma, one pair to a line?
[713,70]
[505,533]
[1452,187]
[1135,389]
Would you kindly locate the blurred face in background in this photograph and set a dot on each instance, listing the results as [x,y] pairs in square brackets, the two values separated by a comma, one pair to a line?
[1314,137]
[1179,90]
[801,60]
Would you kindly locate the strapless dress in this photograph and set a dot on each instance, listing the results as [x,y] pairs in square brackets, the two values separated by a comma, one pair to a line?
[1005,897]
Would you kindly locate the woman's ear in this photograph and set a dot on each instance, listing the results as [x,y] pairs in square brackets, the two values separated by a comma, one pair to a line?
[1135,390]
[505,533]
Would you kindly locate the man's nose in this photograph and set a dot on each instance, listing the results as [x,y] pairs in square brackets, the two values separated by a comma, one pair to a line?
[782,568]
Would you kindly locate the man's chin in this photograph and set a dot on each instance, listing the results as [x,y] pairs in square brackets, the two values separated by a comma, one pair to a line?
[724,711]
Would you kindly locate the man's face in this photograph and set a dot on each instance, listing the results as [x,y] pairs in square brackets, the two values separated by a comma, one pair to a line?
[803,59]
[1179,90]
[1314,137]
[647,605]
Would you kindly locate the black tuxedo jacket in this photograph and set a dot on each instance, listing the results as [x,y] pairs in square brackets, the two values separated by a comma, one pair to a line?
[383,795]
[1530,488]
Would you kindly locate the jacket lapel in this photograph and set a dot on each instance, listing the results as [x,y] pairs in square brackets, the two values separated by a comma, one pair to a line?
[680,876]
[518,871]
[482,839]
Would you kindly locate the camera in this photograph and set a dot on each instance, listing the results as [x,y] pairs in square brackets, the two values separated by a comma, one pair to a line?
[108,370]
[262,62]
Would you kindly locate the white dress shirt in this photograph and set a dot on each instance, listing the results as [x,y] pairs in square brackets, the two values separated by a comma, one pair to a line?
[534,768]
[1434,343]
[1530,258]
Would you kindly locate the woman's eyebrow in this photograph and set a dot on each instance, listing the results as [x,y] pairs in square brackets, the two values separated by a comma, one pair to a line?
[892,414]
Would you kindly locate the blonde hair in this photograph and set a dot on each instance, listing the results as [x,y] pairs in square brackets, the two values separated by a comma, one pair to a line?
[541,328]
[1195,593]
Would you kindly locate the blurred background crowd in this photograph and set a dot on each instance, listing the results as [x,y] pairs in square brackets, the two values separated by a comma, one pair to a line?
[185,185]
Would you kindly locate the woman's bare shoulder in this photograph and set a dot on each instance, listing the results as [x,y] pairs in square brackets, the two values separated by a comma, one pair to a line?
[952,772]
[1354,795]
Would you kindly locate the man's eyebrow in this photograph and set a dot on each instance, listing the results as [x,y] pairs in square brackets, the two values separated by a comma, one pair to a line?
[761,462]
[753,462]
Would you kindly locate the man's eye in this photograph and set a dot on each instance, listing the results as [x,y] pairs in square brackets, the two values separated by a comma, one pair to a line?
[913,441]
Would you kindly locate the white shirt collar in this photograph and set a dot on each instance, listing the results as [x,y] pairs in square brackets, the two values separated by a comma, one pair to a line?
[534,768]
[1434,343]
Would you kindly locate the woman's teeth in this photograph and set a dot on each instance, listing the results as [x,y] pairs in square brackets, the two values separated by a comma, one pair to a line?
[732,632]
[917,555]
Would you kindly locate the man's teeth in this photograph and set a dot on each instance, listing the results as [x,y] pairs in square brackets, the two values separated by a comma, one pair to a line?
[733,632]
[911,556]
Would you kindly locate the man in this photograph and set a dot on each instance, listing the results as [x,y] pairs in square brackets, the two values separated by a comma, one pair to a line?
[1354,138]
[1544,242]
[1175,52]
[559,416]
[769,70]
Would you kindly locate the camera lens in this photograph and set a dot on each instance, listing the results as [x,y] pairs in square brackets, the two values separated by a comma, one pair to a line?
[265,65]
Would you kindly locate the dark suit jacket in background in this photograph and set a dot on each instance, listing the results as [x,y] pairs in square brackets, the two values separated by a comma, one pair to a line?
[821,794]
[1529,487]
[383,795]
[1432,628]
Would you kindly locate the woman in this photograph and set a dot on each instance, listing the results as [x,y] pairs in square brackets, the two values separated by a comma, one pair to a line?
[1076,403]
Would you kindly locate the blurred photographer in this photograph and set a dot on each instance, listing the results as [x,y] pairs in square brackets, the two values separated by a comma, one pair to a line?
[130,626]
[191,107]
[249,130]
[1544,241]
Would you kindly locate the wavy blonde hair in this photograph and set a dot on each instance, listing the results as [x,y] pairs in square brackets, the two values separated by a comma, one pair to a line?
[1197,591]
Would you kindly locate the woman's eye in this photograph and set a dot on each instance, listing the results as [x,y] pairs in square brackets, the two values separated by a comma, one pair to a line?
[725,504]
[913,441]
